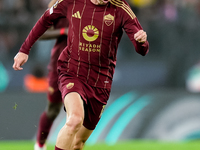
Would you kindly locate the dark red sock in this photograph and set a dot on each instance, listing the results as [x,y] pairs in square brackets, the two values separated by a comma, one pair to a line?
[56,148]
[43,129]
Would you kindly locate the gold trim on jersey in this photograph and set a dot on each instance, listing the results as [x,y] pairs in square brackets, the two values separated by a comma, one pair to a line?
[102,110]
[124,6]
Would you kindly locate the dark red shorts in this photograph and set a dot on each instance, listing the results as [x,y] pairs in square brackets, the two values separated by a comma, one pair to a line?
[94,98]
[54,94]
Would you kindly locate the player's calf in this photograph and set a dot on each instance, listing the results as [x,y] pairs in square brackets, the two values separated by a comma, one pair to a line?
[79,144]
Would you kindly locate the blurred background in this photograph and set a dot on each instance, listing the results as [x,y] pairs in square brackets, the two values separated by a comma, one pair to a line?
[153,97]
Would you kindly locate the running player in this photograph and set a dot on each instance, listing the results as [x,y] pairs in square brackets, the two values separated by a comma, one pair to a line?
[57,31]
[86,66]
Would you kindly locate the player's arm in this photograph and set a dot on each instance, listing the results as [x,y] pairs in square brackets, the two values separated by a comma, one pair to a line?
[40,27]
[135,31]
[138,36]
[22,56]
[52,33]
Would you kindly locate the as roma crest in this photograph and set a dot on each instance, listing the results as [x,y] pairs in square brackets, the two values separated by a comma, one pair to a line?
[108,19]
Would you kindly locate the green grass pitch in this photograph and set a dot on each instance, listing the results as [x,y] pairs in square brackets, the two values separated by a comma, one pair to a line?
[131,145]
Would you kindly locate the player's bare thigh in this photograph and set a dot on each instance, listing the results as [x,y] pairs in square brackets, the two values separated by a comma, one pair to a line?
[74,106]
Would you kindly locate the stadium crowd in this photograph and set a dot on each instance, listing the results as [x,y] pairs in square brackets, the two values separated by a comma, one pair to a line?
[172,27]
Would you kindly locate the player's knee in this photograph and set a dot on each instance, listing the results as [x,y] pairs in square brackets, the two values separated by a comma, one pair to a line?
[74,122]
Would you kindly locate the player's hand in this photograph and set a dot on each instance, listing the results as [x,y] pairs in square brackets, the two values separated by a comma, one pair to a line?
[140,36]
[19,60]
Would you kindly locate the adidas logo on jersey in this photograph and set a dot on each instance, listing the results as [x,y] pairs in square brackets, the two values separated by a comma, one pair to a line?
[77,15]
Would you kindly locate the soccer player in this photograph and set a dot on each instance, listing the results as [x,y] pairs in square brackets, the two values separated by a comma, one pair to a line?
[59,31]
[86,66]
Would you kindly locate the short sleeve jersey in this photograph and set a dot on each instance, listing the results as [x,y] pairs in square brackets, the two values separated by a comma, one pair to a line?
[94,34]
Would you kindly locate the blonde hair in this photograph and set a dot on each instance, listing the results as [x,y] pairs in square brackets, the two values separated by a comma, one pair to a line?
[51,3]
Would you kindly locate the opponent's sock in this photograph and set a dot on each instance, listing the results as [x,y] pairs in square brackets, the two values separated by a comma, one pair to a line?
[56,148]
[44,128]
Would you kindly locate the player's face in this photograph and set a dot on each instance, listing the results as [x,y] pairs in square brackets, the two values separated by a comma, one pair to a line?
[102,2]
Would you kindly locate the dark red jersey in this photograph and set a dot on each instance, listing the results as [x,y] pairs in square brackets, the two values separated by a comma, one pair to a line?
[60,44]
[94,34]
